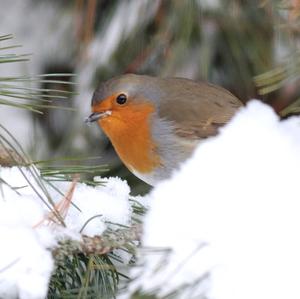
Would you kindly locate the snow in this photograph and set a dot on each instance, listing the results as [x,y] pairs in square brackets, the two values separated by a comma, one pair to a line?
[110,201]
[25,262]
[26,240]
[231,210]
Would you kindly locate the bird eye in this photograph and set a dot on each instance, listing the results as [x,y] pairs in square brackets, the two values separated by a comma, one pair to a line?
[121,99]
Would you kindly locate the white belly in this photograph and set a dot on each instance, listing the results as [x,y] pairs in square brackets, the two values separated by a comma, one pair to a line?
[151,179]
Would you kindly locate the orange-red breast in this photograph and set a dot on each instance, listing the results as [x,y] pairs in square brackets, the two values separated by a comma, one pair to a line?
[155,123]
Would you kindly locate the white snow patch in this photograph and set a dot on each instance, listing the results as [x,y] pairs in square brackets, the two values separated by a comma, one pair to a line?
[110,202]
[231,210]
[25,258]
[25,262]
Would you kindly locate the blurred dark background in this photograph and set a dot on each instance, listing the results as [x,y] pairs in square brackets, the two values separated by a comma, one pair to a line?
[250,47]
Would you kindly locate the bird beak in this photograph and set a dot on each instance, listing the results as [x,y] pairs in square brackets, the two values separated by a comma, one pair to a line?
[96,115]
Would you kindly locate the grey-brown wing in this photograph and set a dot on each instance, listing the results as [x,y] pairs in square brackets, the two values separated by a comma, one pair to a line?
[201,108]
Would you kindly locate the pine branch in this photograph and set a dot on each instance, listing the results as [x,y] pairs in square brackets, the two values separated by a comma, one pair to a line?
[18,91]
[100,245]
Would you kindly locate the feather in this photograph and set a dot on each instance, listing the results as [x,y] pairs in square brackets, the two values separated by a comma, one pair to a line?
[201,107]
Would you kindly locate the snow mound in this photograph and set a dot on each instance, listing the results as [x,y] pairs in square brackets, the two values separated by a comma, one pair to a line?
[232,211]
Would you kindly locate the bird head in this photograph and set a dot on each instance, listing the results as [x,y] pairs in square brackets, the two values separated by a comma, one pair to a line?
[124,101]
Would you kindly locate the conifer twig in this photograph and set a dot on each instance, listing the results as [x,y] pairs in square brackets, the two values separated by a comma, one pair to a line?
[100,245]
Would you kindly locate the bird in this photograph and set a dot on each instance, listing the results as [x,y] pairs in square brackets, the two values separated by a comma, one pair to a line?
[155,124]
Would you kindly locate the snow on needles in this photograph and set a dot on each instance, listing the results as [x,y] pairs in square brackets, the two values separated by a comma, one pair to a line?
[109,202]
[232,210]
[25,259]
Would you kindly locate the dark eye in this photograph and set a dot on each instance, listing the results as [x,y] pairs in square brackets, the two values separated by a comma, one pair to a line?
[121,99]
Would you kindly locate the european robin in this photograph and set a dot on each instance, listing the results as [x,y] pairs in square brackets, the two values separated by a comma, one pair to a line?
[155,123]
